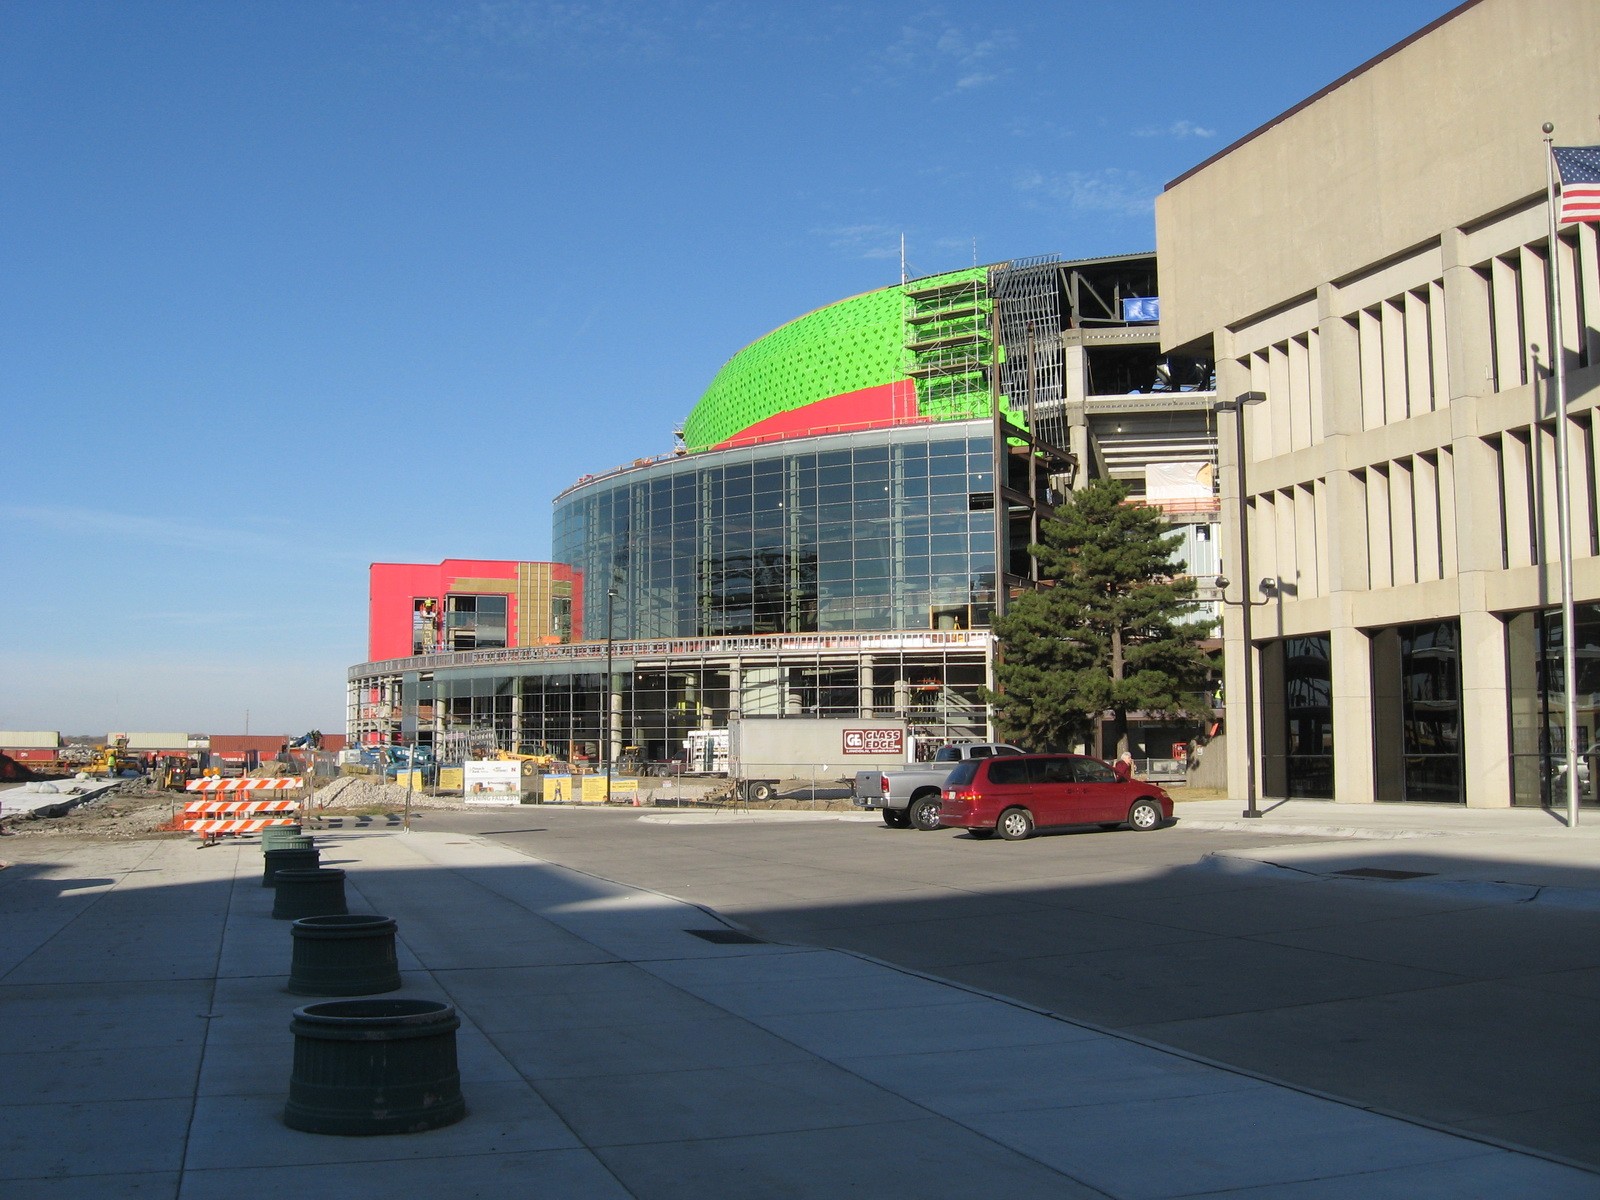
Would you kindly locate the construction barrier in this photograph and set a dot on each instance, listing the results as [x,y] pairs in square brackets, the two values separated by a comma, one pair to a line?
[218,807]
[211,819]
[280,783]
[211,830]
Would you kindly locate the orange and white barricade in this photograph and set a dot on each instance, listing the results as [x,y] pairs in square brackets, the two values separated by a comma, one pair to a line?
[276,784]
[211,819]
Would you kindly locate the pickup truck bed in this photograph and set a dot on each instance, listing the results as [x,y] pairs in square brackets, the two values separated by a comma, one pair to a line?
[908,796]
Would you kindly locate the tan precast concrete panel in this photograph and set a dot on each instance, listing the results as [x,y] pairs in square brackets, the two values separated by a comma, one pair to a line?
[33,739]
[1441,132]
[158,741]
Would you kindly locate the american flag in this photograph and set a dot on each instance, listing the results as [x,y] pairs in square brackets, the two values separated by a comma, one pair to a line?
[1578,168]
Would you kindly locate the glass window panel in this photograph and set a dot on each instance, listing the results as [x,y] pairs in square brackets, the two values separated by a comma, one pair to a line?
[833,468]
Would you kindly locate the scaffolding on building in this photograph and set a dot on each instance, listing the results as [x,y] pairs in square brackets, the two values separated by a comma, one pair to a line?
[949,346]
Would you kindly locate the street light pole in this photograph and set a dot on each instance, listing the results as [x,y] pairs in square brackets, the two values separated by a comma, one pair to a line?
[1569,665]
[605,698]
[1246,605]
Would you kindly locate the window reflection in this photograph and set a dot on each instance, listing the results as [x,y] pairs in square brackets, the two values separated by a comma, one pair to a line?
[772,540]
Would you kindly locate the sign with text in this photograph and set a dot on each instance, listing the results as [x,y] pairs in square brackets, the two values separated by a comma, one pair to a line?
[489,781]
[875,741]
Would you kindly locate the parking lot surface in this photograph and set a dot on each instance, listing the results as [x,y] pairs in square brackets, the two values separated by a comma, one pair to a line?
[1365,955]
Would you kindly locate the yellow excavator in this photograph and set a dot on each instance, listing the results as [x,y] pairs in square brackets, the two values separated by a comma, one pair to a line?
[531,763]
[110,761]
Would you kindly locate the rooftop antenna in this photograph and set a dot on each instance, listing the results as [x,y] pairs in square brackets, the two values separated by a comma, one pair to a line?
[902,258]
[974,251]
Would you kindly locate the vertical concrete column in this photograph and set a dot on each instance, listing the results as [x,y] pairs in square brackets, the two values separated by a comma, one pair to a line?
[1485,709]
[614,717]
[1353,729]
[1480,552]
[1073,373]
[865,682]
[1349,554]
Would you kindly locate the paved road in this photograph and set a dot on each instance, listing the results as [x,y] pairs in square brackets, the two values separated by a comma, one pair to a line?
[1441,1004]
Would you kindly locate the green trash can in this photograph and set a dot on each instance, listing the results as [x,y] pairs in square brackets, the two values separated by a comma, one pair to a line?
[366,1067]
[315,893]
[278,837]
[288,858]
[348,955]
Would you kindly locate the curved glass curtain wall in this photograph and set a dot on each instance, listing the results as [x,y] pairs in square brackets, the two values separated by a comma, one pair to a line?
[889,530]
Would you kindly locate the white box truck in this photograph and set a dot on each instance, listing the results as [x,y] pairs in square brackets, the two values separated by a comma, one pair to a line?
[763,752]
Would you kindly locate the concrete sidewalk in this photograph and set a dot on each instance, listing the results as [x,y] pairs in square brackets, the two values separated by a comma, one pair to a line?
[608,1051]
[1520,853]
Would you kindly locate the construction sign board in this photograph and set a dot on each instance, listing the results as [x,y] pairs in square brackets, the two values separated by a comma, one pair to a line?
[488,781]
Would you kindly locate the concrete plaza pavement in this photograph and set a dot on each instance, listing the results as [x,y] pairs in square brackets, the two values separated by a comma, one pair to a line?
[608,1050]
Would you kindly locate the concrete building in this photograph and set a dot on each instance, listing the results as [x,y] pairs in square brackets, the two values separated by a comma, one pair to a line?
[1372,269]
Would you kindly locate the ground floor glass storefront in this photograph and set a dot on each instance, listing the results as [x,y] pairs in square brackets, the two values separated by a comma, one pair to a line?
[1538,699]
[1416,685]
[932,682]
[1416,715]
[1297,718]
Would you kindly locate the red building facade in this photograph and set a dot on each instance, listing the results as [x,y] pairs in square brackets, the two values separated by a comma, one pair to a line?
[466,604]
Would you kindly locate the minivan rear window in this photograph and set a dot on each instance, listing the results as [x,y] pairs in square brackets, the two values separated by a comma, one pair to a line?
[1008,770]
[963,773]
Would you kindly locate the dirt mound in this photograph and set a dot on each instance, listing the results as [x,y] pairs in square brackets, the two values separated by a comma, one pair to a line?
[137,810]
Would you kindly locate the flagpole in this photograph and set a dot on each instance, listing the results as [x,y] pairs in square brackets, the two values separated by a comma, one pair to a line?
[1558,361]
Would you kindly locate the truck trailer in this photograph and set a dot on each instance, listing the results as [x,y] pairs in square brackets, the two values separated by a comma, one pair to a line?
[763,752]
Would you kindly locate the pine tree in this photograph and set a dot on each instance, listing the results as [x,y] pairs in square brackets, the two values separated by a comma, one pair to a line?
[1113,629]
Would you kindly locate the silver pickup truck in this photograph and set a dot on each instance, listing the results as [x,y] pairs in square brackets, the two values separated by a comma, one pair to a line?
[909,796]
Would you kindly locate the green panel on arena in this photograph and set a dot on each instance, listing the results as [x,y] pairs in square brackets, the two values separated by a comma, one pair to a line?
[845,347]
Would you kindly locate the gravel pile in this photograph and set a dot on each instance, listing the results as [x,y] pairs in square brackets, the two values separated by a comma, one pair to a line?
[360,792]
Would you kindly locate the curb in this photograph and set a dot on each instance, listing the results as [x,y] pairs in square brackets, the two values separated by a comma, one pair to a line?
[1323,831]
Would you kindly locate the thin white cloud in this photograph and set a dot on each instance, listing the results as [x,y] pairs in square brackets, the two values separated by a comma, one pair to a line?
[862,241]
[930,44]
[1178,129]
[1111,190]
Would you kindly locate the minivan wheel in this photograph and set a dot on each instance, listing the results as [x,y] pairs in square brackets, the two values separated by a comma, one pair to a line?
[1015,824]
[1144,815]
[925,813]
[895,818]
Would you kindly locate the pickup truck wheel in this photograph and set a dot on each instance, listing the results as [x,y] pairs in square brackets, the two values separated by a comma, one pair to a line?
[895,818]
[1016,824]
[924,813]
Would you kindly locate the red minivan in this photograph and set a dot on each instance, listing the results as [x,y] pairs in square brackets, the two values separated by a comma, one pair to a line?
[1018,794]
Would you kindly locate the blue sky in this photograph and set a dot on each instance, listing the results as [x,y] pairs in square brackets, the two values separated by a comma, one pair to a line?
[294,287]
